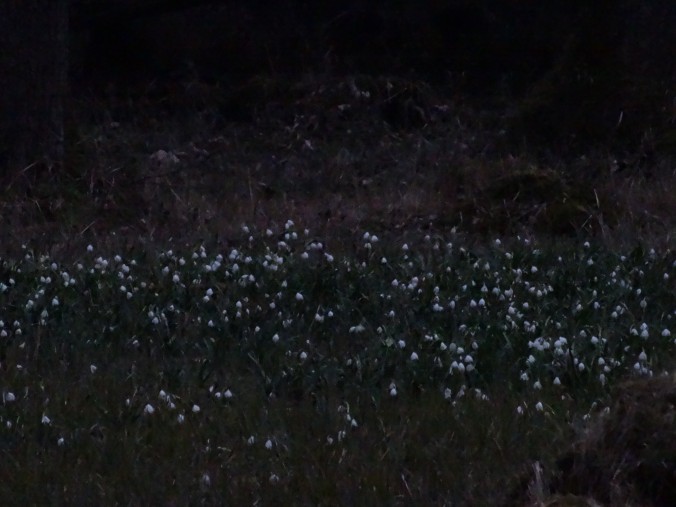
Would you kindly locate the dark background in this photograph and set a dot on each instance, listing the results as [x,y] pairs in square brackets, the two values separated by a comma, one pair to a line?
[565,71]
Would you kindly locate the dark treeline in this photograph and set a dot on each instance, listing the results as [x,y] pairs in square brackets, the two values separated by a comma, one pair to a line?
[573,70]
[579,71]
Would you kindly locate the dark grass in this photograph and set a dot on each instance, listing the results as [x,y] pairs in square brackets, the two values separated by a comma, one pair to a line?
[409,171]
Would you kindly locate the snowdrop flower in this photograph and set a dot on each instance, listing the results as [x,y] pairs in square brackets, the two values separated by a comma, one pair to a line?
[539,407]
[46,420]
[196,409]
[268,444]
[414,356]
[299,296]
[148,409]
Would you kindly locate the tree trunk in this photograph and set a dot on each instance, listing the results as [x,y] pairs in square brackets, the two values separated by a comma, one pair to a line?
[33,83]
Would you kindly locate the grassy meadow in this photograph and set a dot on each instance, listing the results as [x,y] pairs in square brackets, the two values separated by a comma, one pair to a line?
[431,372]
[356,293]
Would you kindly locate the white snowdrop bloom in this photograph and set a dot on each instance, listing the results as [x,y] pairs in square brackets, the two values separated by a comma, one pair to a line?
[602,379]
[614,315]
[557,381]
[644,334]
[90,248]
[461,367]
[299,296]
[469,359]
[180,418]
[305,256]
[268,444]
[601,361]
[443,346]
[586,244]
[643,303]
[666,332]
[149,409]
[61,442]
[328,257]
[303,356]
[196,409]
[531,359]
[539,407]
[524,376]
[537,385]
[401,344]
[92,368]
[519,410]
[227,394]
[643,356]
[205,480]
[46,420]
[251,440]
[274,479]
[581,366]
[9,397]
[414,356]
[163,395]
